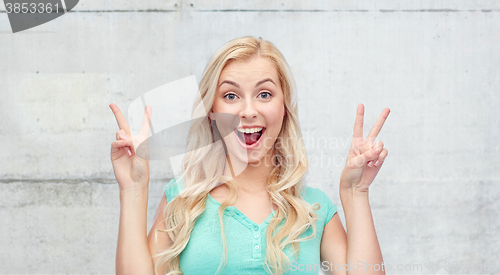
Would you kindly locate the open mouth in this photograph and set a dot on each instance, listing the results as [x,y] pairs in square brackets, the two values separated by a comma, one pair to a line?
[250,136]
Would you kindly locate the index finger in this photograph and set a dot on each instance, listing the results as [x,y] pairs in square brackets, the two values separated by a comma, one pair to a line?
[358,123]
[378,125]
[122,122]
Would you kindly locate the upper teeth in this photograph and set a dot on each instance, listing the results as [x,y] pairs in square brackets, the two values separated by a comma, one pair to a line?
[250,130]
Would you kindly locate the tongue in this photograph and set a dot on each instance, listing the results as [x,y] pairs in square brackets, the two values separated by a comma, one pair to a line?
[252,138]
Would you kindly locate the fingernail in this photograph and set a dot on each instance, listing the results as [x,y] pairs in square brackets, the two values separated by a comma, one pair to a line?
[377,163]
[129,153]
[370,163]
[123,136]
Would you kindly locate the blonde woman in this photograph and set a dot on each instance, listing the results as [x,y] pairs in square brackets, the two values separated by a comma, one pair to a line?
[241,205]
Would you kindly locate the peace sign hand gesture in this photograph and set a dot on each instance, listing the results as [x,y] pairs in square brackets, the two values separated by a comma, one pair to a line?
[131,171]
[364,158]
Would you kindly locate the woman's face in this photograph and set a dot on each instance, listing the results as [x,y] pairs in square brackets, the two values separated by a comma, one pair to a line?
[251,90]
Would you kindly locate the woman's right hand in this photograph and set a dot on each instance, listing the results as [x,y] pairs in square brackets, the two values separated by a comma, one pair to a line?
[131,171]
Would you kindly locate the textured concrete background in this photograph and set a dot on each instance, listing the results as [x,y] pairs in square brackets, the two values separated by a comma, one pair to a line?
[436,201]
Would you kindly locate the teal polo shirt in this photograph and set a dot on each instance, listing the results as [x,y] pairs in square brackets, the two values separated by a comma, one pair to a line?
[246,240]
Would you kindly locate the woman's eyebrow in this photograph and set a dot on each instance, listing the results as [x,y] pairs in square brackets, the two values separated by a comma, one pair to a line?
[263,81]
[256,85]
[230,82]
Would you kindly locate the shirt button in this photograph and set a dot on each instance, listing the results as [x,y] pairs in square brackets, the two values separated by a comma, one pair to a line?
[257,236]
[257,247]
[256,228]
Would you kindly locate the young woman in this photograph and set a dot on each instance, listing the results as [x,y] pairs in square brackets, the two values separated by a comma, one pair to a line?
[241,205]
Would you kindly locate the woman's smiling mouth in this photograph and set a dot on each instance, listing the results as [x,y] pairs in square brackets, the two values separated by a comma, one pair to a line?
[249,137]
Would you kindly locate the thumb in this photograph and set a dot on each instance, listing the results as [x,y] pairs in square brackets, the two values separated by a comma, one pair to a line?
[368,155]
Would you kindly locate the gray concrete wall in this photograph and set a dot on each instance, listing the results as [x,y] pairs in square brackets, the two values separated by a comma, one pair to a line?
[434,63]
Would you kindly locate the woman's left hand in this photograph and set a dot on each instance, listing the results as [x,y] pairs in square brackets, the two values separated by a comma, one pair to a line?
[365,157]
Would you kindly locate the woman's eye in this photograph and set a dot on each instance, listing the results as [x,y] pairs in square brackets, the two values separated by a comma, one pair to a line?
[230,96]
[265,95]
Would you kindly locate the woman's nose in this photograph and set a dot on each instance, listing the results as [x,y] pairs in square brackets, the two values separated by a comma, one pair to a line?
[248,110]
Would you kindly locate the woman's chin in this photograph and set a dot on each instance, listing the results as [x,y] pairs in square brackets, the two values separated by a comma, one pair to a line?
[241,157]
[246,159]
[253,159]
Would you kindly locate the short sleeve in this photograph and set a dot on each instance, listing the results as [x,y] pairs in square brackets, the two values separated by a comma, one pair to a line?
[330,208]
[171,189]
[314,195]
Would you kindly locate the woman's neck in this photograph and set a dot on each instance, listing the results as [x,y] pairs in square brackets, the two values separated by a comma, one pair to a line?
[253,176]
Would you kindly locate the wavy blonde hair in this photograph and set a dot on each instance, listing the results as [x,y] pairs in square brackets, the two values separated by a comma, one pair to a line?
[203,168]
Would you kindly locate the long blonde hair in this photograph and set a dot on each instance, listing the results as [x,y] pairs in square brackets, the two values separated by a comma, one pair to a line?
[203,167]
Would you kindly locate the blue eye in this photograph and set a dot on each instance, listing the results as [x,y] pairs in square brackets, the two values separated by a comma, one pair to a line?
[233,96]
[267,95]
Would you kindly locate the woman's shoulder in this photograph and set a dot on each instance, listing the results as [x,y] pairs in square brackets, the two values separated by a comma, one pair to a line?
[314,195]
[172,188]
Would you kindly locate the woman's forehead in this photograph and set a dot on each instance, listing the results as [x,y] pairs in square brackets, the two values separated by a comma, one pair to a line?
[249,70]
